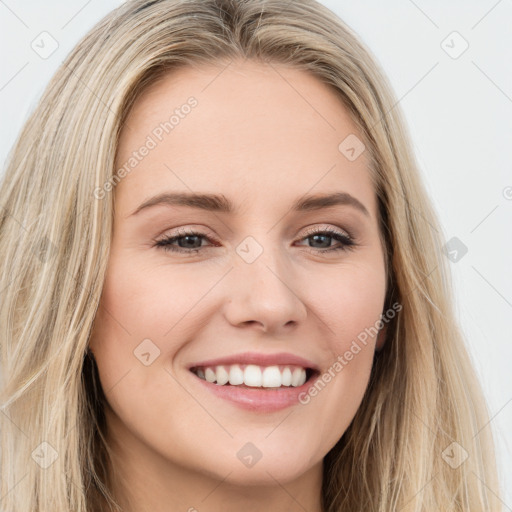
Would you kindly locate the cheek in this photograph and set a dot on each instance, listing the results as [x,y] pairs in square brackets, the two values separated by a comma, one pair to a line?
[142,312]
[349,304]
[141,301]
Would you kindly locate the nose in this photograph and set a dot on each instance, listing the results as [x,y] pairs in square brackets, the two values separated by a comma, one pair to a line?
[264,294]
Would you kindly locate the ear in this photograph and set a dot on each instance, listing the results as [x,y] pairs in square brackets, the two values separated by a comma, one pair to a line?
[381,339]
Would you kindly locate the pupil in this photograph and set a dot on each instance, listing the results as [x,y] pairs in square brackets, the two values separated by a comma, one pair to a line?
[188,241]
[315,238]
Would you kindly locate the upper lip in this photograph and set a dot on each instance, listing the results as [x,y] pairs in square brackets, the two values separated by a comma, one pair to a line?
[281,358]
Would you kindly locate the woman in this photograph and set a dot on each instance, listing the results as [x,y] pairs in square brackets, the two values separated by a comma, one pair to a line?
[143,370]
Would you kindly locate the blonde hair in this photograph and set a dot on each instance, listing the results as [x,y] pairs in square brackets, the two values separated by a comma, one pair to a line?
[423,393]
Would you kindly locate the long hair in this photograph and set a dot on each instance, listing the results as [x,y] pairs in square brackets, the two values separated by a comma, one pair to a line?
[423,408]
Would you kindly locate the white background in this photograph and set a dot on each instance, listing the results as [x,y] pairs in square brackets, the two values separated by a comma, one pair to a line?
[459,113]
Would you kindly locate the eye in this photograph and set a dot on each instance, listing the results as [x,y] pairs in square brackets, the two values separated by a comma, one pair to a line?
[187,242]
[322,236]
[190,241]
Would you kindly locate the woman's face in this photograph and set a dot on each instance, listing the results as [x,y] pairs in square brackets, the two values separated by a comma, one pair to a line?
[252,295]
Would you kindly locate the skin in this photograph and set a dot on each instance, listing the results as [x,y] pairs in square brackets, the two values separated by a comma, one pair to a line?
[263,135]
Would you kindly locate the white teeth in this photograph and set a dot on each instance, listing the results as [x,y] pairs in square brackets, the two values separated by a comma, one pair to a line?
[286,378]
[254,376]
[209,375]
[271,377]
[222,375]
[298,377]
[236,375]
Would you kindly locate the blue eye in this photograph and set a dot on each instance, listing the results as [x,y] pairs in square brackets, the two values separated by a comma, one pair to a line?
[345,241]
[190,242]
[187,242]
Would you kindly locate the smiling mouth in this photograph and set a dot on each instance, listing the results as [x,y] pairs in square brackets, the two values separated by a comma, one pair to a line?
[254,376]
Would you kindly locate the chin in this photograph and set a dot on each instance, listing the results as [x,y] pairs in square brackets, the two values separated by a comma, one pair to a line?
[250,467]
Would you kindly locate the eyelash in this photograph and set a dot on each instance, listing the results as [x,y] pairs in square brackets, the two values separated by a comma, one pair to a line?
[348,242]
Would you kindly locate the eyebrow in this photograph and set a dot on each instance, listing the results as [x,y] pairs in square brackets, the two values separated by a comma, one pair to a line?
[220,203]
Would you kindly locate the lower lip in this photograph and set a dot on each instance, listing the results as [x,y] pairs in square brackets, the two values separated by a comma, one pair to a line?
[258,399]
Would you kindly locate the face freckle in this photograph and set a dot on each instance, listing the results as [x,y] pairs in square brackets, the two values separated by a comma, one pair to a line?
[260,283]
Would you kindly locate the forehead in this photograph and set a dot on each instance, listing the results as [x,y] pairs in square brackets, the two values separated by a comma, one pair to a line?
[261,134]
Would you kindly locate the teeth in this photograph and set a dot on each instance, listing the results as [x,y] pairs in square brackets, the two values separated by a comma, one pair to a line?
[286,378]
[209,375]
[298,377]
[271,377]
[254,376]
[236,375]
[222,375]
